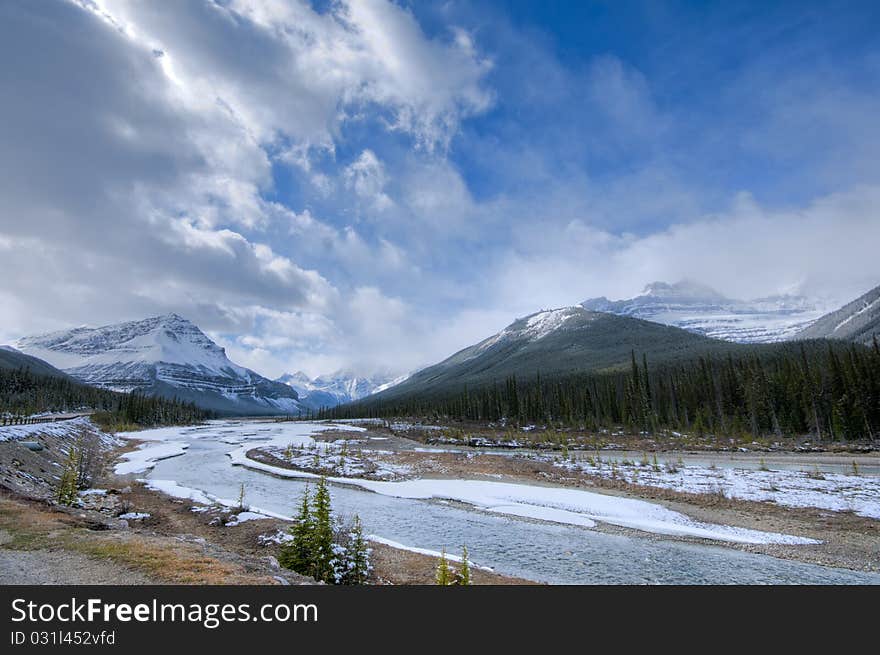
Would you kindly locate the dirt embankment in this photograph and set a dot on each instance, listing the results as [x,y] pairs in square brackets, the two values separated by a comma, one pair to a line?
[42,541]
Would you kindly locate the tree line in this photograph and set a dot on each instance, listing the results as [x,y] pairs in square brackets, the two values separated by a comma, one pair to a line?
[830,391]
[23,393]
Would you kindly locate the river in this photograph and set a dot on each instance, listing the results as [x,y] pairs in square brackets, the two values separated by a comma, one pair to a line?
[536,550]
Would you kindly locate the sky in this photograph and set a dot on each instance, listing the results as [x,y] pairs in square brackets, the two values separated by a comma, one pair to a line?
[373,185]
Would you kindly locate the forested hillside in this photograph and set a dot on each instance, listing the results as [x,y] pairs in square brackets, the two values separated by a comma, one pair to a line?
[561,342]
[829,390]
[23,393]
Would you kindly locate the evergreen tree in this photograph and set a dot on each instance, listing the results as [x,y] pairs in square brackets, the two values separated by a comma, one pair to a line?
[359,567]
[463,576]
[443,576]
[322,534]
[68,484]
[298,553]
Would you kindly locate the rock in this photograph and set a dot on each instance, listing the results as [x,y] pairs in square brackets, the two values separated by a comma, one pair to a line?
[281,581]
[273,562]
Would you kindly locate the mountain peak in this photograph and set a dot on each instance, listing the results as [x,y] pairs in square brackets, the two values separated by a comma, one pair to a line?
[540,324]
[165,354]
[701,309]
[339,387]
[173,317]
[683,289]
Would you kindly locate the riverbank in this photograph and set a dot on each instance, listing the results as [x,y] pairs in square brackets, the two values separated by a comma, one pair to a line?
[121,532]
[555,438]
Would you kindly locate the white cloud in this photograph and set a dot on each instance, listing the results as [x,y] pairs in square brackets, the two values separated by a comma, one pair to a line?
[748,251]
[366,175]
[139,148]
[143,142]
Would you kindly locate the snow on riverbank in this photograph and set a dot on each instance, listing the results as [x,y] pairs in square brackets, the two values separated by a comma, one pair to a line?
[171,488]
[145,457]
[241,517]
[829,491]
[559,505]
[425,551]
[175,490]
[65,428]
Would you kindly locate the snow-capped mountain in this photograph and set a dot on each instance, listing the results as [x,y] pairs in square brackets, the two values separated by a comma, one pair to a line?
[857,321]
[337,388]
[558,342]
[700,309]
[164,355]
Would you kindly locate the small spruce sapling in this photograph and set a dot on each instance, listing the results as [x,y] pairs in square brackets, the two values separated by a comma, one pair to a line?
[359,568]
[463,576]
[322,539]
[443,576]
[68,484]
[241,493]
[297,554]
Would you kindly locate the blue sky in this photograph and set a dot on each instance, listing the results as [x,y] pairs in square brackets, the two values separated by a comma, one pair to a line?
[376,184]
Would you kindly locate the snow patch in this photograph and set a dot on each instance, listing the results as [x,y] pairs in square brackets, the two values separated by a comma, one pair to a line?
[829,491]
[424,551]
[145,457]
[241,517]
[558,505]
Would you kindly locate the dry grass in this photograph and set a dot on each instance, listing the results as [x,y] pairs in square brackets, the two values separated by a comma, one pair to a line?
[35,526]
[170,563]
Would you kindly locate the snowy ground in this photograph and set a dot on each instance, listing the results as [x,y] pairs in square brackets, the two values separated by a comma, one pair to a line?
[175,490]
[339,459]
[55,429]
[830,491]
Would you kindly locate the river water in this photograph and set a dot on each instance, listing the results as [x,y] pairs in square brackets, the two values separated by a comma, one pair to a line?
[541,551]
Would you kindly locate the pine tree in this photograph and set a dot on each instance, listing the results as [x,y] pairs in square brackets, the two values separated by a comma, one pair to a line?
[359,567]
[297,554]
[322,534]
[463,577]
[69,482]
[443,576]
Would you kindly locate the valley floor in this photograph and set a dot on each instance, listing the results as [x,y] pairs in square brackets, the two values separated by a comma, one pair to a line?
[124,533]
[782,493]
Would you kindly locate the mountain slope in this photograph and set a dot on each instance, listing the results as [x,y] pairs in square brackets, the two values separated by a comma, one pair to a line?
[337,388]
[10,358]
[166,356]
[559,342]
[858,321]
[703,310]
